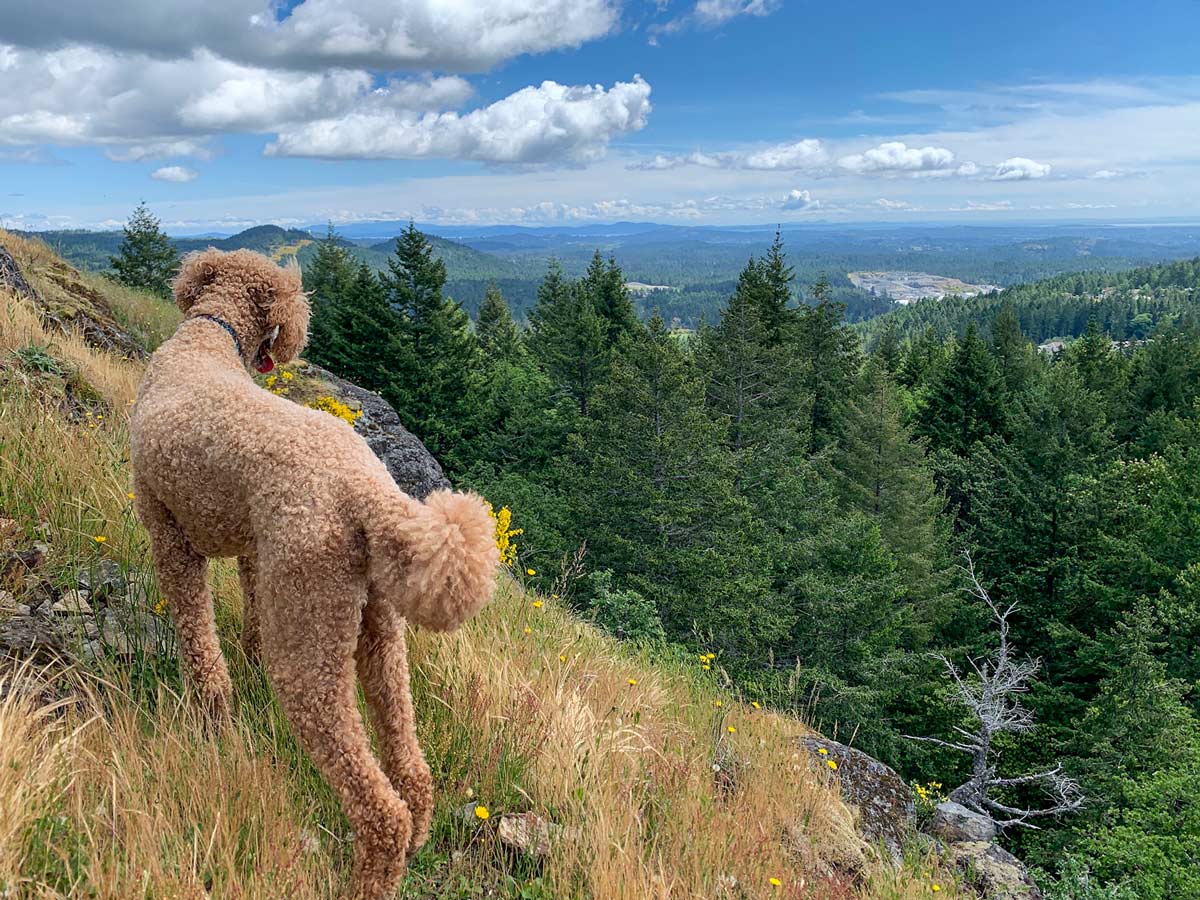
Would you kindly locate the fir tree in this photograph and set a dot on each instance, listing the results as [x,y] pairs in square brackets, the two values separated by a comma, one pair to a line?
[967,403]
[605,285]
[327,279]
[569,337]
[432,386]
[498,335]
[775,297]
[146,259]
[829,358]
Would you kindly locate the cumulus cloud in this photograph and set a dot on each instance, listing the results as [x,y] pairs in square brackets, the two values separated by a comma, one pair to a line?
[146,108]
[547,123]
[796,200]
[176,174]
[1018,168]
[898,157]
[884,203]
[317,34]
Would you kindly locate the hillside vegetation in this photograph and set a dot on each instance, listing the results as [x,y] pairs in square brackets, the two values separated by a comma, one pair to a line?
[112,786]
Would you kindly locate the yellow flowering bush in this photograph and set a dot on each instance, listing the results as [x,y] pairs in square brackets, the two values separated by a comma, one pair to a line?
[336,407]
[505,534]
[928,796]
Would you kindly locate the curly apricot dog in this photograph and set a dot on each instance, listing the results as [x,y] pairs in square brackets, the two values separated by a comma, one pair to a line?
[333,556]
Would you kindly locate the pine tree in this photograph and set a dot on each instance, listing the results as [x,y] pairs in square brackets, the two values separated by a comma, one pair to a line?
[433,384]
[829,357]
[654,488]
[365,335]
[967,403]
[147,258]
[327,279]
[884,474]
[776,295]
[498,335]
[605,285]
[569,337]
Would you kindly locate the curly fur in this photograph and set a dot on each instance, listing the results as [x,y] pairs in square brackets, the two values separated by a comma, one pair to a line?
[332,555]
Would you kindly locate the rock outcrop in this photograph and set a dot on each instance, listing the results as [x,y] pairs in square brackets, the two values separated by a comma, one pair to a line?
[412,466]
[884,801]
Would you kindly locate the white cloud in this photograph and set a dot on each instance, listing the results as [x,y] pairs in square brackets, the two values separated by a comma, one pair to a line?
[1020,168]
[177,174]
[718,12]
[898,157]
[804,154]
[146,108]
[796,200]
[884,203]
[448,35]
[548,123]
[800,155]
[160,150]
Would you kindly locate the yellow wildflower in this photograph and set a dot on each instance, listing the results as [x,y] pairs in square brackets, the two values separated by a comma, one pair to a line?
[706,667]
[505,534]
[718,704]
[632,682]
[774,882]
[756,704]
[131,495]
[528,630]
[822,751]
[831,764]
[935,887]
[537,604]
[481,812]
[287,376]
[337,409]
[531,571]
[561,658]
[99,538]
[731,730]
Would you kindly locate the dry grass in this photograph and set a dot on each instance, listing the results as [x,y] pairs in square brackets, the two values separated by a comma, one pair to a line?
[127,793]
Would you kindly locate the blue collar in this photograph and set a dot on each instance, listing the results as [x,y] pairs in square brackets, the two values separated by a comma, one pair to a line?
[233,334]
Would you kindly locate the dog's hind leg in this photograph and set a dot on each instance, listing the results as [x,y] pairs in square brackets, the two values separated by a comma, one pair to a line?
[250,628]
[309,630]
[383,670]
[182,580]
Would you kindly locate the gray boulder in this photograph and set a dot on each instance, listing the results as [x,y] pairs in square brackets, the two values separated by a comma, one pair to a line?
[953,822]
[885,803]
[412,466]
[994,872]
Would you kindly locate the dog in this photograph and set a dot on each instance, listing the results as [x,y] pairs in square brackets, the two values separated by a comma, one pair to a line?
[332,556]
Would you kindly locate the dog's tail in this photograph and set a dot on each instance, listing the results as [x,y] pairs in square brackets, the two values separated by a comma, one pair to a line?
[436,560]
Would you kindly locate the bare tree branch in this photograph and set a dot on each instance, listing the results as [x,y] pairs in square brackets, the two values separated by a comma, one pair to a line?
[991,692]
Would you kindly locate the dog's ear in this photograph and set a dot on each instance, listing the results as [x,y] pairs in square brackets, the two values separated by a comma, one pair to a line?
[288,310]
[199,269]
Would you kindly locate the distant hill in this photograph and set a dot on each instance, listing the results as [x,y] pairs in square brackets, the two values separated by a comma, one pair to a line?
[1127,304]
[699,265]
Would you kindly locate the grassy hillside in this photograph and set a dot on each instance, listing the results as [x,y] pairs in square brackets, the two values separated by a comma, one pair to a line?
[111,786]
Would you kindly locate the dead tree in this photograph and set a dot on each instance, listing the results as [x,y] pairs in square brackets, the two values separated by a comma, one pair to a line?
[992,694]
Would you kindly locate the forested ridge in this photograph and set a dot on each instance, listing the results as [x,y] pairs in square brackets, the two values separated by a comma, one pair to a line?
[769,489]
[1125,305]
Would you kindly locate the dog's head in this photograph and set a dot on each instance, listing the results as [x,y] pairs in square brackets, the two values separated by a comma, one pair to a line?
[263,302]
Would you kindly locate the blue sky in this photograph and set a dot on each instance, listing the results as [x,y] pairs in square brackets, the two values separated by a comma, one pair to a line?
[237,112]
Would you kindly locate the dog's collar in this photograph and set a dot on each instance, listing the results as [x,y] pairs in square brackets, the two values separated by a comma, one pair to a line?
[233,334]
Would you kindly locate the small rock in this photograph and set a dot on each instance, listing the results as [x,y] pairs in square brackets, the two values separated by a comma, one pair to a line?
[529,833]
[21,562]
[953,822]
[72,603]
[29,637]
[103,580]
[994,872]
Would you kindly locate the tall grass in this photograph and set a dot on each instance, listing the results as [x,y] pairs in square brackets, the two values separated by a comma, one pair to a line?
[662,783]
